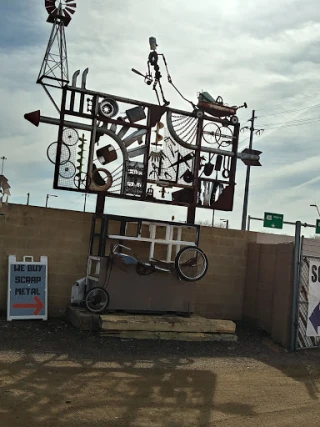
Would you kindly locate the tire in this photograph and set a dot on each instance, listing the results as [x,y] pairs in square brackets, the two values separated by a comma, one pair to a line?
[190,254]
[108,108]
[97,299]
[183,129]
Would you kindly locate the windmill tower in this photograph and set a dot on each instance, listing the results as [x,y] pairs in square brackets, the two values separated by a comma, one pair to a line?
[54,69]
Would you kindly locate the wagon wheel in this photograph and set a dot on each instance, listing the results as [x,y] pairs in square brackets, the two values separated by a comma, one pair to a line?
[183,129]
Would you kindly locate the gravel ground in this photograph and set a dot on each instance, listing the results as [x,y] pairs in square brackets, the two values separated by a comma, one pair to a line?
[52,374]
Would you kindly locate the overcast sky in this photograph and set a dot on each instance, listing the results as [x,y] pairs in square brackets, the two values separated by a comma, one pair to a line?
[264,52]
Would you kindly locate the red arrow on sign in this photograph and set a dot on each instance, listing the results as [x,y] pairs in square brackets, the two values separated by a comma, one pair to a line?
[38,305]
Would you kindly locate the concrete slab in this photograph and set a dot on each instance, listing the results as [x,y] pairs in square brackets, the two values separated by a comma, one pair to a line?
[165,323]
[81,319]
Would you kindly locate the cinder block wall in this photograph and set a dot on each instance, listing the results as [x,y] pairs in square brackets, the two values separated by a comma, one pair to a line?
[268,289]
[220,293]
[63,236]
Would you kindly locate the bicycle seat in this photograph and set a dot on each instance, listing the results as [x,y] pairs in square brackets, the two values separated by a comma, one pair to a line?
[126,259]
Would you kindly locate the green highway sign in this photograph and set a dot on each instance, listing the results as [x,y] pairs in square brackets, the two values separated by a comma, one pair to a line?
[273,220]
[318,226]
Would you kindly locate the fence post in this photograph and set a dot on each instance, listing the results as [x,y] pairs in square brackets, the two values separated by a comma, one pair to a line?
[295,286]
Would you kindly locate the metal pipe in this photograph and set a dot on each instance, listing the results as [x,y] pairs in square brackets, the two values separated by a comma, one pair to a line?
[316,206]
[303,224]
[295,285]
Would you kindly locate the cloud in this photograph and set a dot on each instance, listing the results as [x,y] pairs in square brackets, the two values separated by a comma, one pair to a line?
[263,53]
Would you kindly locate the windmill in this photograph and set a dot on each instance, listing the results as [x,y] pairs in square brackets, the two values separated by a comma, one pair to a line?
[54,71]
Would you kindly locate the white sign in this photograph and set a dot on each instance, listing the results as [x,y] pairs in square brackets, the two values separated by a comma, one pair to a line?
[313,325]
[27,288]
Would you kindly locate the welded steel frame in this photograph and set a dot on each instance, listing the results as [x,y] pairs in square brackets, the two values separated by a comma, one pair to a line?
[155,112]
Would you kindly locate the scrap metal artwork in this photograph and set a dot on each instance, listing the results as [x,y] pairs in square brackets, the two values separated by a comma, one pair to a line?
[130,149]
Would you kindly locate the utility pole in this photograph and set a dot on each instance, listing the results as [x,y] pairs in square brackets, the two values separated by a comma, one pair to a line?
[2,166]
[85,201]
[28,198]
[246,189]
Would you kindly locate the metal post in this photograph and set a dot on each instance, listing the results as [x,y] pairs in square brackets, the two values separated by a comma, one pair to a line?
[85,202]
[2,165]
[47,200]
[295,286]
[246,189]
[249,219]
[212,218]
[28,198]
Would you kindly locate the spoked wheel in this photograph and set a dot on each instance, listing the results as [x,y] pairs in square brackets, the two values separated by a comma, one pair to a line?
[182,128]
[97,300]
[211,133]
[191,263]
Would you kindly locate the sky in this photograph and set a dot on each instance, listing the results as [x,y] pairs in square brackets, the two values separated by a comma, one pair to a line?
[263,52]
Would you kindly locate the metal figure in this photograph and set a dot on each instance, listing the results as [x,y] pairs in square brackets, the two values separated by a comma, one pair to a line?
[153,61]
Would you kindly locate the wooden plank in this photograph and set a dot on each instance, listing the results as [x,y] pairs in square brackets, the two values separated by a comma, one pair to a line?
[165,323]
[170,336]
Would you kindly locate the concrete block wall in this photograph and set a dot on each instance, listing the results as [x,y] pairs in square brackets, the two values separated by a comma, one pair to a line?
[63,236]
[220,293]
[268,288]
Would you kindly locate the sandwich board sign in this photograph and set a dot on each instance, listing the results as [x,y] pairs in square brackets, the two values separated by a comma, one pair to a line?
[27,288]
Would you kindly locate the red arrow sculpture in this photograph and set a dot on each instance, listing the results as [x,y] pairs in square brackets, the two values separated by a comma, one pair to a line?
[37,305]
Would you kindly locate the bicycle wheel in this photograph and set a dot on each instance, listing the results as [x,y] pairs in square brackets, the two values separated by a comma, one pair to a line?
[97,299]
[182,128]
[191,263]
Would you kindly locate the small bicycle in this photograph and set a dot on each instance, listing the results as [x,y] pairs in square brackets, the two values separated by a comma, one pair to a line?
[190,264]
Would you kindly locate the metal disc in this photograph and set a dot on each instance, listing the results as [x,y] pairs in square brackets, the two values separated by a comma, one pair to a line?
[67,171]
[52,153]
[70,136]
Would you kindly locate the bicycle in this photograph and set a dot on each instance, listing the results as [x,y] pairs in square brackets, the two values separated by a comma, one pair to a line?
[190,264]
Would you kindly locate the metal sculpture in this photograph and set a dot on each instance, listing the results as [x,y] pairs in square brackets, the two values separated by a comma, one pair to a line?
[206,104]
[126,151]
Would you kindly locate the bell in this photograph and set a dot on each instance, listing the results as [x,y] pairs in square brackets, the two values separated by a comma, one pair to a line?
[106,154]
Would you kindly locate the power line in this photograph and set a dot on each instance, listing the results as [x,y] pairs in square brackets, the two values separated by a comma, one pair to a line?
[294,124]
[306,119]
[288,102]
[290,111]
